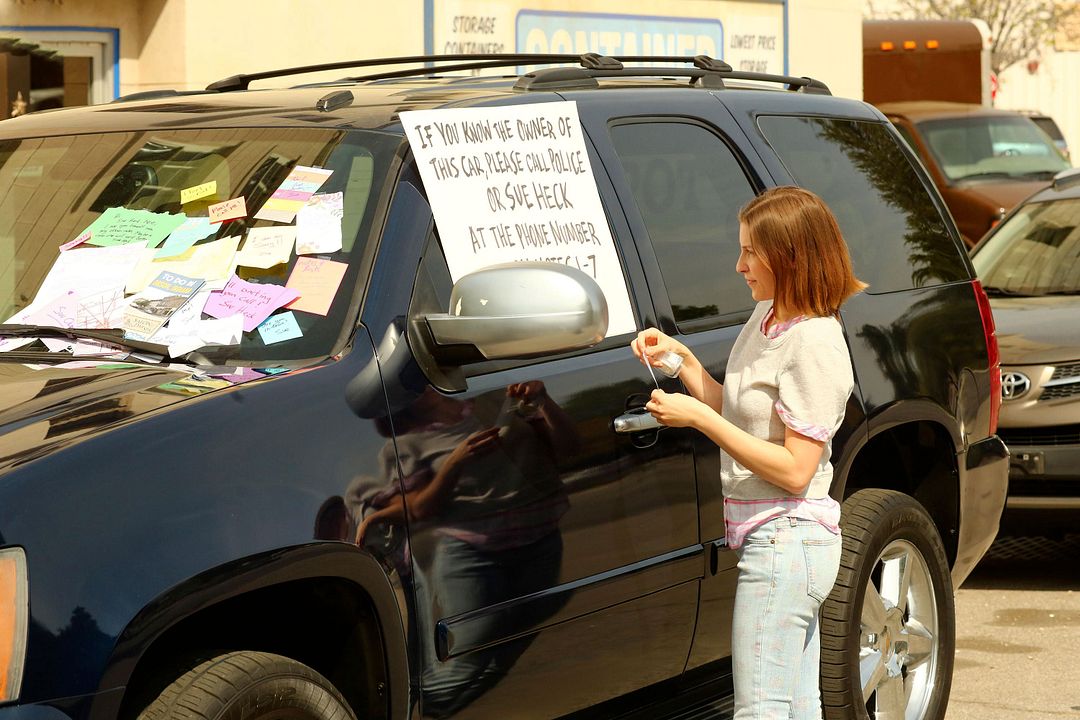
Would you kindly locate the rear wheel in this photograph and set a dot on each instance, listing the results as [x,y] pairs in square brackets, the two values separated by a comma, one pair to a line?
[888,628]
[249,686]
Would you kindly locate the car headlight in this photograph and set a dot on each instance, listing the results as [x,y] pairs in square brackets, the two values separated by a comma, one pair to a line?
[14,609]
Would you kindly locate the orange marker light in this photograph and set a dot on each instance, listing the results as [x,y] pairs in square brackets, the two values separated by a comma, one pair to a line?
[931,44]
[887,45]
[13,610]
[910,44]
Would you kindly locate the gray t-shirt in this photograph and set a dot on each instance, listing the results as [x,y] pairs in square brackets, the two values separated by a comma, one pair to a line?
[806,371]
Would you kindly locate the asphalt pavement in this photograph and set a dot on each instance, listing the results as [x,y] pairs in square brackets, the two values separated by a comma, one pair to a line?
[1018,633]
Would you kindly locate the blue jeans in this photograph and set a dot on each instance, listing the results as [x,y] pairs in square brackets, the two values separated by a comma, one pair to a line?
[787,568]
[464,578]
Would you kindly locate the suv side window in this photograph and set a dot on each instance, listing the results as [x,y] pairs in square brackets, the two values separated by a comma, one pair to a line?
[689,186]
[897,237]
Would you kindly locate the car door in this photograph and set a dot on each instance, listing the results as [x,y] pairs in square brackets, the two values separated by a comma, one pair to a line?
[683,177]
[563,567]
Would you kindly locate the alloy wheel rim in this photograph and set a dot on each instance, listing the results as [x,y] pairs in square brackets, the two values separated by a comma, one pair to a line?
[898,642]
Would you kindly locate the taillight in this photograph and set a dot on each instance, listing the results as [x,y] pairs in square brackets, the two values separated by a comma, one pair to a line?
[13,617]
[992,352]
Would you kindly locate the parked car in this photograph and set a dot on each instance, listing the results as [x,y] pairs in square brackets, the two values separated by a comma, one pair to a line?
[417,496]
[1028,267]
[983,160]
[1048,126]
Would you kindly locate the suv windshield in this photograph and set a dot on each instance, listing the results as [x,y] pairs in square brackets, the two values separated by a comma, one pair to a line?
[1036,252]
[996,146]
[134,211]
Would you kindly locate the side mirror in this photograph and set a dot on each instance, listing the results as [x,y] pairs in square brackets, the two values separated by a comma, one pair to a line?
[521,309]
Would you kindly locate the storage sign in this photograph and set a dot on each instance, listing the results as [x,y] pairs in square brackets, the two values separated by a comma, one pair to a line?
[541,31]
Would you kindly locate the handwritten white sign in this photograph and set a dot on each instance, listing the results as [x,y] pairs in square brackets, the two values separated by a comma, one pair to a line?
[514,183]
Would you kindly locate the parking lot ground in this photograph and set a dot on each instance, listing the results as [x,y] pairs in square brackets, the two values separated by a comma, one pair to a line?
[1018,633]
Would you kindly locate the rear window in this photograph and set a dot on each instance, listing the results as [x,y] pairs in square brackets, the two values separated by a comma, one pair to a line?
[151,202]
[897,238]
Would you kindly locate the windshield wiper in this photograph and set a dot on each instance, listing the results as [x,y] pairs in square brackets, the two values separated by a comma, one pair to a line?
[996,174]
[1039,174]
[112,336]
[992,291]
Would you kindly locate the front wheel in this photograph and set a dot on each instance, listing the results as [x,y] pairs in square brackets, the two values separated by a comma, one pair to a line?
[249,686]
[888,626]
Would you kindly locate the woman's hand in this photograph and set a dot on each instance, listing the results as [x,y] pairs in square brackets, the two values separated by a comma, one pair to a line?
[532,392]
[676,409]
[651,343]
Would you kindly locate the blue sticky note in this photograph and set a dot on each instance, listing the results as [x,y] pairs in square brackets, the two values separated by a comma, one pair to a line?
[278,328]
[192,231]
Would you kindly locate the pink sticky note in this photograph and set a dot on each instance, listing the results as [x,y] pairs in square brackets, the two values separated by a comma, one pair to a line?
[60,312]
[255,302]
[86,235]
[228,210]
[317,282]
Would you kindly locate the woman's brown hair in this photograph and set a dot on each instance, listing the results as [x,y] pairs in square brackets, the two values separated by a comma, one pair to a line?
[796,235]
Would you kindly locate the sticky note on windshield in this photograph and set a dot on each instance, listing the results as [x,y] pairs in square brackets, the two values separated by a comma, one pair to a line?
[266,247]
[293,194]
[317,282]
[192,231]
[280,328]
[77,241]
[228,210]
[211,261]
[199,191]
[252,300]
[318,224]
[120,226]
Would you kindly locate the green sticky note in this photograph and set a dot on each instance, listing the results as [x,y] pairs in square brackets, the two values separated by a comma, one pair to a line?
[121,226]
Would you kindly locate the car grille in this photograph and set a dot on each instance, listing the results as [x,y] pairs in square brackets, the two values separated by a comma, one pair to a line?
[1056,392]
[1057,435]
[1066,371]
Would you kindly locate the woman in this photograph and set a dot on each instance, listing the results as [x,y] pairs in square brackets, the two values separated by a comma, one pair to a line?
[788,380]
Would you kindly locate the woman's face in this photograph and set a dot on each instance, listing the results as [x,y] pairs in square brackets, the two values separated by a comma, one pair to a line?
[758,276]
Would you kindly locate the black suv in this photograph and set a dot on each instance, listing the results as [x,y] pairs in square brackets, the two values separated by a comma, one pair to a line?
[428,499]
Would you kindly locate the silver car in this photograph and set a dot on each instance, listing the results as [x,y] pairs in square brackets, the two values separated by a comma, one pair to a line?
[1030,268]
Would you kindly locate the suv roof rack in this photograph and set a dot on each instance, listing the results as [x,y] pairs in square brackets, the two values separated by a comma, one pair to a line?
[710,71]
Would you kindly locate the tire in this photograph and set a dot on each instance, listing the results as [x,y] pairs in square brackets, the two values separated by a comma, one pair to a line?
[249,686]
[887,653]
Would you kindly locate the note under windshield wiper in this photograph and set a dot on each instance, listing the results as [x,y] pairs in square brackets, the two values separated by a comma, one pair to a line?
[112,337]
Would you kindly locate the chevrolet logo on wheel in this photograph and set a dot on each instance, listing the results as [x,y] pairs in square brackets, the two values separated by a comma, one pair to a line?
[1014,385]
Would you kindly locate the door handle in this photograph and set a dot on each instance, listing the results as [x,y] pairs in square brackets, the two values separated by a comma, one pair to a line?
[636,421]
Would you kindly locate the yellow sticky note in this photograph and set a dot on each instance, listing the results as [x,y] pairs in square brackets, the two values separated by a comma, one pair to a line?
[317,282]
[199,191]
[211,261]
[228,210]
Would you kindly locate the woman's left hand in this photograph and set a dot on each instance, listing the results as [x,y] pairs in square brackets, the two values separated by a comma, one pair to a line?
[676,409]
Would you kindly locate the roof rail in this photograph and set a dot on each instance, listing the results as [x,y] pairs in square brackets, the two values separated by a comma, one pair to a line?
[153,94]
[591,66]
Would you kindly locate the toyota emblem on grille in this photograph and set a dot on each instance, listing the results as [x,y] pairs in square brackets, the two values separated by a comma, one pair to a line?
[1014,385]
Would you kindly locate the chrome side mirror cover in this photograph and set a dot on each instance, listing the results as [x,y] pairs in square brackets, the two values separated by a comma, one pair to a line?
[522,309]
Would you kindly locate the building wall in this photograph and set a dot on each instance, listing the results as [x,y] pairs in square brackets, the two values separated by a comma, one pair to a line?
[1051,89]
[186,44]
[826,43]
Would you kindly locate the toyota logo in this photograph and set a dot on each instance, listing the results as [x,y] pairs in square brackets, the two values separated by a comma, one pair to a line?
[1014,385]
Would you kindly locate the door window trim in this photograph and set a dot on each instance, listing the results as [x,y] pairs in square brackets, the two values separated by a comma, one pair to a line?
[754,181]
